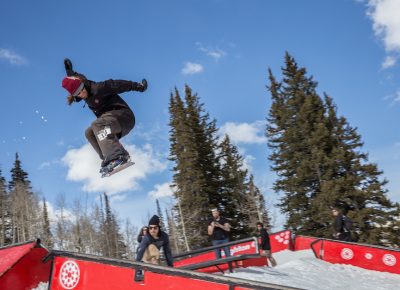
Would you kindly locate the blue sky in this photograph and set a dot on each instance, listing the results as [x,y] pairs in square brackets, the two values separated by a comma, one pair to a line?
[221,48]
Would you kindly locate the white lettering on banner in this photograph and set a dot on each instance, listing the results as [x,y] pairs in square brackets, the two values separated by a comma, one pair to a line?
[237,249]
[102,134]
[241,248]
[389,260]
[347,254]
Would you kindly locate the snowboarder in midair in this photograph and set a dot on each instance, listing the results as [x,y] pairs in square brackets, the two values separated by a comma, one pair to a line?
[115,118]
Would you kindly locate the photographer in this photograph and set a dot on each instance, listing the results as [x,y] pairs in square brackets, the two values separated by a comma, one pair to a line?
[218,229]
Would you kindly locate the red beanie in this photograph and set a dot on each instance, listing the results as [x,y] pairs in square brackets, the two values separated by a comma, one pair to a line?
[73,85]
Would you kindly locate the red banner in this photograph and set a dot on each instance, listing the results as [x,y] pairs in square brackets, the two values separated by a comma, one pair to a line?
[303,243]
[281,241]
[364,256]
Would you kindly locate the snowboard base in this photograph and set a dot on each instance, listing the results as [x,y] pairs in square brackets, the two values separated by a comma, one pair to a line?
[118,169]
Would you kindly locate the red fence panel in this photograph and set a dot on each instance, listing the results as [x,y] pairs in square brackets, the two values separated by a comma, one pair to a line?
[281,241]
[360,255]
[303,243]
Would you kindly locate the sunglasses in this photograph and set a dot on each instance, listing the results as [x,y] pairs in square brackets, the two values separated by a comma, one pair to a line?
[153,228]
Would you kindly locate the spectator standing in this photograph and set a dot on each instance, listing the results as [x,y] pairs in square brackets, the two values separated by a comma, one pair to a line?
[265,245]
[218,229]
[142,233]
[342,226]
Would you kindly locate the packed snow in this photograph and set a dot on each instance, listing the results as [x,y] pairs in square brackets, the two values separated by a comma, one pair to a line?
[302,270]
[42,286]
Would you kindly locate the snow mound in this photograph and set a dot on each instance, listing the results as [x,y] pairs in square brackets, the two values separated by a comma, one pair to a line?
[301,269]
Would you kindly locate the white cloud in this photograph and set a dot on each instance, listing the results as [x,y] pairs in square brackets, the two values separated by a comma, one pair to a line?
[386,25]
[44,165]
[161,190]
[11,57]
[389,62]
[393,98]
[215,53]
[56,214]
[244,132]
[84,164]
[191,68]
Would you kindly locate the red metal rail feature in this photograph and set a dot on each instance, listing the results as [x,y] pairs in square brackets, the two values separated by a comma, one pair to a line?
[361,255]
[247,246]
[77,272]
[279,241]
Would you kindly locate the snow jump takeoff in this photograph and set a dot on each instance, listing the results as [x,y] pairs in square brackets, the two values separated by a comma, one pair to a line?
[115,118]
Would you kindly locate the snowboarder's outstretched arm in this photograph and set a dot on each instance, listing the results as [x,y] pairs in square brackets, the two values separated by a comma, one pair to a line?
[111,87]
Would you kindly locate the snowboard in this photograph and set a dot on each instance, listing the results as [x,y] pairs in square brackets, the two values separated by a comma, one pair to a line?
[118,169]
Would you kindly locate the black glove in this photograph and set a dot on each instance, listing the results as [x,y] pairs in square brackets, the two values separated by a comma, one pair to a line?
[68,67]
[141,87]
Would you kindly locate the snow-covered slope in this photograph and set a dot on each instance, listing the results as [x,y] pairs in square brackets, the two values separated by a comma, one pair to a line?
[301,269]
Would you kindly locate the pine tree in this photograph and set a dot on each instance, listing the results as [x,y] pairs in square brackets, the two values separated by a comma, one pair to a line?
[318,160]
[18,175]
[47,237]
[254,206]
[160,215]
[196,178]
[63,226]
[24,205]
[234,190]
[5,227]
[116,247]
[173,233]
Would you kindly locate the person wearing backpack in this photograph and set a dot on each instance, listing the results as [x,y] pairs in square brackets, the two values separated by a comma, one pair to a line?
[342,226]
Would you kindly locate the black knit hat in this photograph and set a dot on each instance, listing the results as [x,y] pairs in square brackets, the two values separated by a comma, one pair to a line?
[155,220]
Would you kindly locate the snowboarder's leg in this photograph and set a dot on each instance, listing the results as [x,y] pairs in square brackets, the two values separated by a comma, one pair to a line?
[93,141]
[108,129]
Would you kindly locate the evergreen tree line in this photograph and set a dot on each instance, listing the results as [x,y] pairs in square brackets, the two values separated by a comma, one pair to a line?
[317,156]
[91,229]
[208,173]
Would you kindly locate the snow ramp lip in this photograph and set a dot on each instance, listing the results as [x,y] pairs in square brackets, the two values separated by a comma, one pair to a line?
[152,274]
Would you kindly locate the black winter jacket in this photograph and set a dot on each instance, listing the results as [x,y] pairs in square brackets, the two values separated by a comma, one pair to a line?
[265,243]
[103,96]
[162,241]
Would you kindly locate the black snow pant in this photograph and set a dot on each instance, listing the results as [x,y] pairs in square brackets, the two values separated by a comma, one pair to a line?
[105,132]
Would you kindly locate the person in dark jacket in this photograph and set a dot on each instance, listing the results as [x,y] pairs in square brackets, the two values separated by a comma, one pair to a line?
[218,229]
[265,245]
[152,242]
[340,231]
[115,118]
[142,233]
